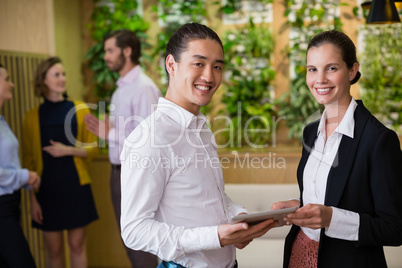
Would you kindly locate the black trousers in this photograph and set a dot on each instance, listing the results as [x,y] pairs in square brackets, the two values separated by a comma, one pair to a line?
[14,249]
[138,259]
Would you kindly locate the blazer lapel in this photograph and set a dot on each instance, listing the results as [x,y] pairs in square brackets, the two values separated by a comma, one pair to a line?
[345,158]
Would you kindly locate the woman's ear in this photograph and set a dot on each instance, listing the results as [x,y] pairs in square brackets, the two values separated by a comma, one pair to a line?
[170,64]
[354,70]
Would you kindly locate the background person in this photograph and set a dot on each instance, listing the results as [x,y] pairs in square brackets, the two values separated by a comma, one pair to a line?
[350,173]
[14,249]
[60,154]
[177,208]
[132,102]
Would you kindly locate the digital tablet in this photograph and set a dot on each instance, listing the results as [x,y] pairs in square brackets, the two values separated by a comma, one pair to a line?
[255,218]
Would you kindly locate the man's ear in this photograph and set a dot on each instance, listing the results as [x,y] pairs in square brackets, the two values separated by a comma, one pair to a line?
[127,52]
[170,64]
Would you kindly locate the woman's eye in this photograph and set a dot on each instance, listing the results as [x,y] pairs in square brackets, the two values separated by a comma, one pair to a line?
[332,69]
[198,64]
[311,69]
[218,67]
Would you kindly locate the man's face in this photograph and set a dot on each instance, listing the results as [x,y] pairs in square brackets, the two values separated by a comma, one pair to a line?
[198,74]
[113,55]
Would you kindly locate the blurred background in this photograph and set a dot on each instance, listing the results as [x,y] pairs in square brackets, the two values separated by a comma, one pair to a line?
[263,103]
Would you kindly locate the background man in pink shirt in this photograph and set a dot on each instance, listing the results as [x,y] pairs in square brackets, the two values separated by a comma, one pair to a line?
[132,102]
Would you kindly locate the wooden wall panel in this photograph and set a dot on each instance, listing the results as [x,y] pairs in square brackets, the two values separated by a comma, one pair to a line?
[68,41]
[27,26]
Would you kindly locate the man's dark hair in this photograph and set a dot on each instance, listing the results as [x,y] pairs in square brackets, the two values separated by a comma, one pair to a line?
[127,38]
[186,33]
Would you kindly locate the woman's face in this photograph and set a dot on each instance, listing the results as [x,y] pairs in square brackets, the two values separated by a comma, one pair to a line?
[6,86]
[328,76]
[55,79]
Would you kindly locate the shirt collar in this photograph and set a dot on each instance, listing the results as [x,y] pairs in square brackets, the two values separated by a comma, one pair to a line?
[130,77]
[180,115]
[347,125]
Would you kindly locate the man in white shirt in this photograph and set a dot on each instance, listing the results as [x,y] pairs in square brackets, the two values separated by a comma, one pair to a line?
[173,200]
[132,102]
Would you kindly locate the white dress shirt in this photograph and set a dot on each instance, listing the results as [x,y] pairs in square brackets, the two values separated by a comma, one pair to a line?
[133,101]
[172,190]
[344,224]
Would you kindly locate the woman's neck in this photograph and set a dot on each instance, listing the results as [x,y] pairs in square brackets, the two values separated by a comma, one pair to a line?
[54,97]
[335,113]
[336,110]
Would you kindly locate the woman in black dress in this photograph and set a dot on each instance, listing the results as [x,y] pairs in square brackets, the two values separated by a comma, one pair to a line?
[58,146]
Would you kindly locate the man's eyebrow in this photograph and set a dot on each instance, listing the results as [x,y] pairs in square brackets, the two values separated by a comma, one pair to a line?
[205,58]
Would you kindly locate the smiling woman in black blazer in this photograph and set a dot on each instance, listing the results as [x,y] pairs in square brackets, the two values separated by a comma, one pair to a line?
[350,173]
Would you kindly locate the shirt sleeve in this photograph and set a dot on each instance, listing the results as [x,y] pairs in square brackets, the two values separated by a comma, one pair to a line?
[233,208]
[12,179]
[142,188]
[344,225]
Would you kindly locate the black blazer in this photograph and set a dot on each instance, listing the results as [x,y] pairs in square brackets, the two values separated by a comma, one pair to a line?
[367,180]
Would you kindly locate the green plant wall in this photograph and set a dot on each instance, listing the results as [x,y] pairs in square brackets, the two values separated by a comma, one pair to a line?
[248,84]
[249,49]
[381,68]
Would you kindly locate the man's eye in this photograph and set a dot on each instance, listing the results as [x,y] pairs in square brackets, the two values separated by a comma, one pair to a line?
[198,64]
[218,67]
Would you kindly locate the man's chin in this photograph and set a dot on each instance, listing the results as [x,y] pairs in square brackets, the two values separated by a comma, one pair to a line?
[205,103]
